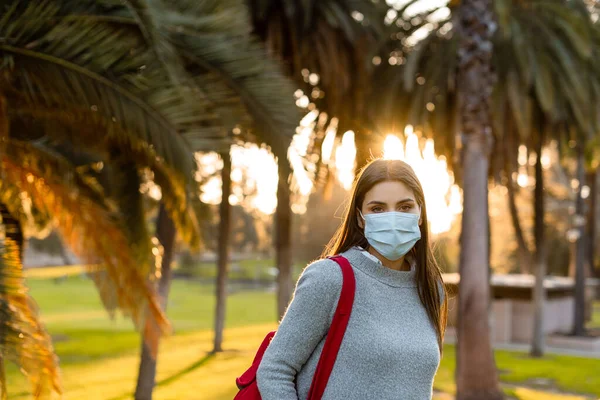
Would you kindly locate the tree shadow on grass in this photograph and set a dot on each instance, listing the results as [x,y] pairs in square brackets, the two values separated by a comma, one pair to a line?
[187,370]
[170,379]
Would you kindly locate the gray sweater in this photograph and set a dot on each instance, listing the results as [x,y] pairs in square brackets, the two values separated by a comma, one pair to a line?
[390,348]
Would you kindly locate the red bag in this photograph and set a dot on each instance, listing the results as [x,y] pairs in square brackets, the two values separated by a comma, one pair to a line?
[247,381]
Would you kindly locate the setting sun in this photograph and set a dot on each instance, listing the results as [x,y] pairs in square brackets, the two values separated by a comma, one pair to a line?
[254,172]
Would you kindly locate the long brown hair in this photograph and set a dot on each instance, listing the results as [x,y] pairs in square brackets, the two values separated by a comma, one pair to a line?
[350,234]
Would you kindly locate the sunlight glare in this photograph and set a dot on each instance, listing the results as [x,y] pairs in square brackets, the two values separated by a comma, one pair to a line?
[327,146]
[304,182]
[418,7]
[345,156]
[211,191]
[442,196]
[523,180]
[547,158]
[522,155]
[234,200]
[253,170]
[155,192]
[303,101]
[393,148]
[237,175]
[261,168]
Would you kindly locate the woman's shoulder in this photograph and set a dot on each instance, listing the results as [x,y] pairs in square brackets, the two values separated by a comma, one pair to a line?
[324,273]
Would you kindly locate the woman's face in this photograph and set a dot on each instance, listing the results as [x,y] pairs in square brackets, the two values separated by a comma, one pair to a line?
[390,196]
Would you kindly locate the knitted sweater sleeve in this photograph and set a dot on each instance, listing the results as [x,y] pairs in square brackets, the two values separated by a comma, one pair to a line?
[304,324]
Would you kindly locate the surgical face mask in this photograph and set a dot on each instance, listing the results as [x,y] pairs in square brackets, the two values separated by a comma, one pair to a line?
[392,234]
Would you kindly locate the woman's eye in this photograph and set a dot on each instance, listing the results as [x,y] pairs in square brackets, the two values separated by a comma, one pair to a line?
[405,208]
[377,209]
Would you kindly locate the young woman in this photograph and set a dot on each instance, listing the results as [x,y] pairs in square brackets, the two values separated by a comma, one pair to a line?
[393,342]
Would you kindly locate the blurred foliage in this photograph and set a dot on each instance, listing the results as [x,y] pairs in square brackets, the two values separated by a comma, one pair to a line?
[23,338]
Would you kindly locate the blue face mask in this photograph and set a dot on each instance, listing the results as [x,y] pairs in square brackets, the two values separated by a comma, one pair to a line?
[392,234]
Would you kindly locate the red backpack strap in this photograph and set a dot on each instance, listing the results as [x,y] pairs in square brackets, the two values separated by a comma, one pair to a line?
[250,375]
[336,330]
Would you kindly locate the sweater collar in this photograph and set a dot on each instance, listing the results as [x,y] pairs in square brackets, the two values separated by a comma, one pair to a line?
[378,271]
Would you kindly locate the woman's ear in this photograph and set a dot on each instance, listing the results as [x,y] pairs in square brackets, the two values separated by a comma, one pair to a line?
[360,220]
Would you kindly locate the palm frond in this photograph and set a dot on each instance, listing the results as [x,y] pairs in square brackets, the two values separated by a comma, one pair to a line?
[44,81]
[91,232]
[538,63]
[78,126]
[231,69]
[23,338]
[323,37]
[67,54]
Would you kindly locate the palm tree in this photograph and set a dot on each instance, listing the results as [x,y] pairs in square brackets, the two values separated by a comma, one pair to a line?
[539,292]
[83,216]
[560,30]
[327,47]
[165,233]
[239,83]
[592,178]
[430,78]
[223,252]
[334,39]
[476,375]
[579,326]
[283,237]
[525,257]
[113,98]
[587,156]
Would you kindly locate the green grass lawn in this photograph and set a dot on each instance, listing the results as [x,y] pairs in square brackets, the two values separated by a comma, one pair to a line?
[99,357]
[249,269]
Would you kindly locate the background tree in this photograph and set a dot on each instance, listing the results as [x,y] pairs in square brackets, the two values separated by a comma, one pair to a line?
[216,59]
[327,47]
[476,375]
[223,252]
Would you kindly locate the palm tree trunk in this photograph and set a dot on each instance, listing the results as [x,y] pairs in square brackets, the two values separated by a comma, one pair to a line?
[283,237]
[579,328]
[363,150]
[524,255]
[12,229]
[476,375]
[592,216]
[525,258]
[539,293]
[223,260]
[165,232]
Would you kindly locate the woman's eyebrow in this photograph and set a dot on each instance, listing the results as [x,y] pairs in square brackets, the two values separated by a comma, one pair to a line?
[384,203]
[377,202]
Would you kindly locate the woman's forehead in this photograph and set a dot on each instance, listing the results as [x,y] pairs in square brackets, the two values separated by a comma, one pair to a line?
[389,192]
